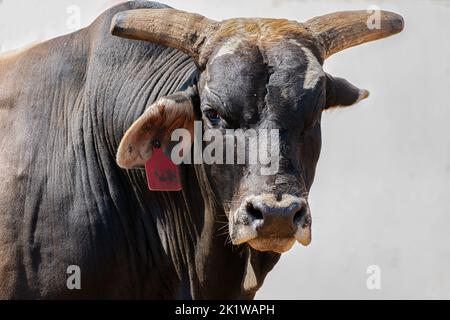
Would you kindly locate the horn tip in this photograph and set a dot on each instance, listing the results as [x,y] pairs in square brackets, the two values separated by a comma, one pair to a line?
[118,24]
[396,21]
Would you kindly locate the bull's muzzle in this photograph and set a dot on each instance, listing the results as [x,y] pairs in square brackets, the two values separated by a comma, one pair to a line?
[270,224]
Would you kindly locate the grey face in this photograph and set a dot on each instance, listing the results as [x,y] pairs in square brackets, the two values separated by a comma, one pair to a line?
[282,87]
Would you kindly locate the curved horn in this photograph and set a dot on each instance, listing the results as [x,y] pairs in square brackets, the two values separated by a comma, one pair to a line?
[187,32]
[341,30]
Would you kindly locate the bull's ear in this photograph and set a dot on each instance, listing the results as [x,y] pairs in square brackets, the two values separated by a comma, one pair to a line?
[156,123]
[341,93]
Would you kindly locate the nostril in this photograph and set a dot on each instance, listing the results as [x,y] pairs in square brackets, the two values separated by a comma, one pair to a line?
[253,212]
[299,215]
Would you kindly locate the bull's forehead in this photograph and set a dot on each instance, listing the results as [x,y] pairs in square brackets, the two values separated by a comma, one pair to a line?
[264,66]
[263,32]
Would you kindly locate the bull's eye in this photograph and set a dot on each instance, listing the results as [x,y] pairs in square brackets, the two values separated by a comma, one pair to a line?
[213,116]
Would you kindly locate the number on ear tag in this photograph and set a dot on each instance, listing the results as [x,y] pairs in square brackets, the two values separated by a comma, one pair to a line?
[162,173]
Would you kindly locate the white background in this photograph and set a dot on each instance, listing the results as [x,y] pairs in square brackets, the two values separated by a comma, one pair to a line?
[382,189]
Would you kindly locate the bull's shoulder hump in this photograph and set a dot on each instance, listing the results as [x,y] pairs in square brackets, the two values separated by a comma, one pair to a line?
[105,17]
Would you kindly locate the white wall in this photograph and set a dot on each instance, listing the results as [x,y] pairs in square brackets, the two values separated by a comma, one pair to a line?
[382,190]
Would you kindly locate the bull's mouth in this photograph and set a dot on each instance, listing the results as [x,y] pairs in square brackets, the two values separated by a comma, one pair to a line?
[278,245]
[272,243]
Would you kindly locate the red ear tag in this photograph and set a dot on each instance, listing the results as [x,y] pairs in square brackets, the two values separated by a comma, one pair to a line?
[162,173]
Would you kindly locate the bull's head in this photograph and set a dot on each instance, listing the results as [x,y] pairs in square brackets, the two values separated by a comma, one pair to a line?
[254,73]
